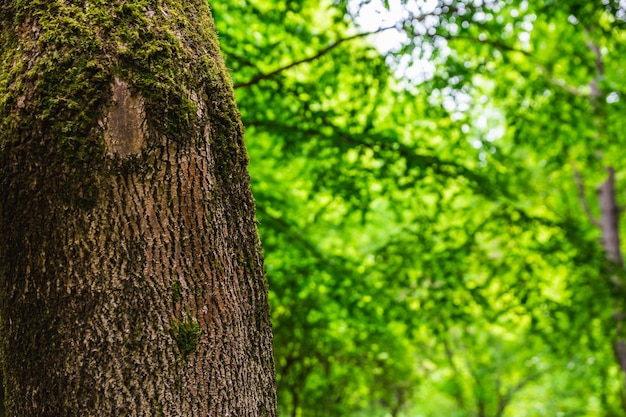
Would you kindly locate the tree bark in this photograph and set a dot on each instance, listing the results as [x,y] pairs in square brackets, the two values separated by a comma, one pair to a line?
[610,214]
[131,273]
[609,220]
[609,223]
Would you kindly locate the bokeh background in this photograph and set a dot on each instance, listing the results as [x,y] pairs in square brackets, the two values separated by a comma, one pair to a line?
[426,176]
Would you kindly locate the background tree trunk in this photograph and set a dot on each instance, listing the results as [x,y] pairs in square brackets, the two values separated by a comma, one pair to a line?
[132,277]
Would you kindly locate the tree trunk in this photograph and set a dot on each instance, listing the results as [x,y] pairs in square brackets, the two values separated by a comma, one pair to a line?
[132,278]
[609,220]
[609,223]
[610,215]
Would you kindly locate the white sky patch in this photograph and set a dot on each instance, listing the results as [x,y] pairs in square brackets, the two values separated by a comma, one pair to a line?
[374,15]
[613,97]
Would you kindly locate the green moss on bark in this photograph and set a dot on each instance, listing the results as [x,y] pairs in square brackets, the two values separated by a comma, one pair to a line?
[176,289]
[187,335]
[56,86]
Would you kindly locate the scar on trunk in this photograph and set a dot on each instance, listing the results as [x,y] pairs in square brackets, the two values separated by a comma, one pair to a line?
[123,132]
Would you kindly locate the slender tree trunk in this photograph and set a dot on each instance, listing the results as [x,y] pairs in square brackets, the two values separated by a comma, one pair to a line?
[609,220]
[610,214]
[131,275]
[609,223]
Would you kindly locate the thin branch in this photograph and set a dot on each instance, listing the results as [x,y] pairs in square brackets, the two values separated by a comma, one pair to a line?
[504,400]
[580,186]
[596,91]
[561,83]
[264,76]
[490,42]
[455,370]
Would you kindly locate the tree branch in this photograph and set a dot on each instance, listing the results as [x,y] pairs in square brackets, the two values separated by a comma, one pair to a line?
[264,76]
[496,44]
[580,186]
[458,396]
[596,91]
[504,400]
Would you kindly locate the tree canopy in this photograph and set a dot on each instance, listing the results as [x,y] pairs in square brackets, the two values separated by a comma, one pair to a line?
[427,205]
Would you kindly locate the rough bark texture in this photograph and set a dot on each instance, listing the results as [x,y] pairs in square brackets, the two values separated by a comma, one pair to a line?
[609,223]
[131,275]
[609,220]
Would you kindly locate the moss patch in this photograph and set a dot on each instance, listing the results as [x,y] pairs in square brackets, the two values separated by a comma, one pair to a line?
[187,335]
[176,291]
[59,62]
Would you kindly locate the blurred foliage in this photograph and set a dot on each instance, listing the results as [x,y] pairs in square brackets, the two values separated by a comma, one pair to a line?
[426,243]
